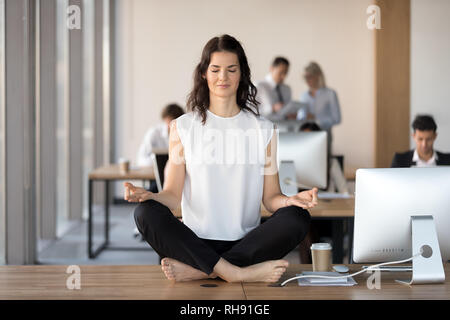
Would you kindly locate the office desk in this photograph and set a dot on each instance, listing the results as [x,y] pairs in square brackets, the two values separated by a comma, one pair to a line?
[334,208]
[340,211]
[148,282]
[107,174]
[108,282]
[389,289]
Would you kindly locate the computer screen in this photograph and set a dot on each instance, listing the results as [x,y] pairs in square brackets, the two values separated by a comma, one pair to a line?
[385,200]
[308,151]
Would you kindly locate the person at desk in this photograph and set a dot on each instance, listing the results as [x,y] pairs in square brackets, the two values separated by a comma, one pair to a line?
[157,137]
[424,134]
[273,93]
[221,192]
[322,102]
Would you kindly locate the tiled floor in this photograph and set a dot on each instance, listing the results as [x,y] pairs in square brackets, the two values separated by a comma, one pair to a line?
[72,247]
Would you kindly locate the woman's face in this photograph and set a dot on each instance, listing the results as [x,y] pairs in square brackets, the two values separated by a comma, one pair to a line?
[312,80]
[223,74]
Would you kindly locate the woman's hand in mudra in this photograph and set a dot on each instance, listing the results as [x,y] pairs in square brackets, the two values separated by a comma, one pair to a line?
[305,199]
[136,194]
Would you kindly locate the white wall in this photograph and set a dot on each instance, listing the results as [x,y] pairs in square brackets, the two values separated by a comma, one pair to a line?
[159,43]
[430,65]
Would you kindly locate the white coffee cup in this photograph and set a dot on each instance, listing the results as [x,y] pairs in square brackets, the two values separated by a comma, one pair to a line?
[124,165]
[321,256]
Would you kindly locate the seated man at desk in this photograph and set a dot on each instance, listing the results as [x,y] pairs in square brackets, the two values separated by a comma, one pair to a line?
[424,155]
[157,137]
[273,93]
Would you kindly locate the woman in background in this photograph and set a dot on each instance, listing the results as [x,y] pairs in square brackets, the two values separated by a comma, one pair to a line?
[322,102]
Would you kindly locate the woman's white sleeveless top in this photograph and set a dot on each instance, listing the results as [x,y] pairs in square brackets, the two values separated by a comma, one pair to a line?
[224,179]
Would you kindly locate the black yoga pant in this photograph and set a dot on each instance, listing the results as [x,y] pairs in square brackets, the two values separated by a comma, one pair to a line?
[171,238]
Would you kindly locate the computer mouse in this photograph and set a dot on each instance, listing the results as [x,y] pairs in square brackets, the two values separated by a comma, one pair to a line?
[340,269]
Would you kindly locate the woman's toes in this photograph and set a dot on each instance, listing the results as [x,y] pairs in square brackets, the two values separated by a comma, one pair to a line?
[164,262]
[283,263]
[169,275]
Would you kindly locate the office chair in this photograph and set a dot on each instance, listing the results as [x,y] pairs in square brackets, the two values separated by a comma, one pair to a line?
[159,160]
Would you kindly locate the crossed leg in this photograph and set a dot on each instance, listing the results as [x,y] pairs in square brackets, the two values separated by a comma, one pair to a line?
[256,258]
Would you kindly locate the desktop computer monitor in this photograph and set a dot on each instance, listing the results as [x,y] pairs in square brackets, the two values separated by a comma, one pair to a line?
[289,125]
[385,201]
[159,160]
[308,152]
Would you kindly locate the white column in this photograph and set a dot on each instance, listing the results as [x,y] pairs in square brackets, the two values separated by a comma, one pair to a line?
[2,134]
[20,128]
[75,118]
[46,188]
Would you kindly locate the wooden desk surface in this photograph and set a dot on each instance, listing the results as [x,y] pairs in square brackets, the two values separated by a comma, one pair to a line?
[112,172]
[108,282]
[148,282]
[325,209]
[389,289]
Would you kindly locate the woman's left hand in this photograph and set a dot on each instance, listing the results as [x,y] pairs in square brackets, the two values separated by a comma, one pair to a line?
[305,199]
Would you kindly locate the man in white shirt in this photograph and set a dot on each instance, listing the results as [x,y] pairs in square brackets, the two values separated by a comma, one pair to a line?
[273,94]
[157,137]
[424,155]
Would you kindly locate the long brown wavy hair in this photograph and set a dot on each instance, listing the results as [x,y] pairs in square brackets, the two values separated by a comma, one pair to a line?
[198,98]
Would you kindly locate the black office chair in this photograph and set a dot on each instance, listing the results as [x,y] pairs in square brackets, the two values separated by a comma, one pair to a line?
[159,163]
[159,159]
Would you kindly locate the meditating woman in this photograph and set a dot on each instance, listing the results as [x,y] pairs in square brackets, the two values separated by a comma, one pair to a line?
[222,165]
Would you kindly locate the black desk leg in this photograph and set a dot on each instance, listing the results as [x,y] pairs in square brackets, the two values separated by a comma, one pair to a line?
[350,226]
[338,240]
[106,212]
[90,254]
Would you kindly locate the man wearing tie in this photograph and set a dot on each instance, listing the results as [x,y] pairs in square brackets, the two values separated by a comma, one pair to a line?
[424,135]
[273,94]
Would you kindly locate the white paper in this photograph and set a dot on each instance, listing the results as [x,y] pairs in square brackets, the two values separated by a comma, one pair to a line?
[333,195]
[345,282]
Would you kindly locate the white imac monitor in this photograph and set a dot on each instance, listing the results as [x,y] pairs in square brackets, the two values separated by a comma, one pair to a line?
[308,151]
[399,212]
[289,125]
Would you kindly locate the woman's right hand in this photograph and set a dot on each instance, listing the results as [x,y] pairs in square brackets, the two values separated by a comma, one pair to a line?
[136,194]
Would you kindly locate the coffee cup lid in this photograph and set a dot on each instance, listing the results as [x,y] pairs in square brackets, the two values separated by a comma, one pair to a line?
[321,246]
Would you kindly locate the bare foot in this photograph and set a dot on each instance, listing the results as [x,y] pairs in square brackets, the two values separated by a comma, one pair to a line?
[178,271]
[268,271]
